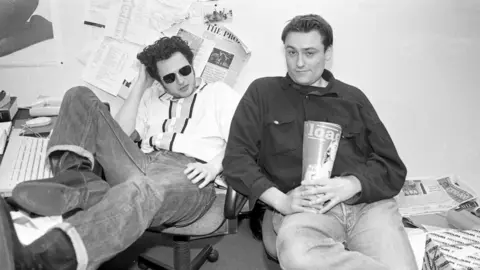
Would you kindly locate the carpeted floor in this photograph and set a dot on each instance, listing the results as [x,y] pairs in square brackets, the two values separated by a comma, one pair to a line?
[237,252]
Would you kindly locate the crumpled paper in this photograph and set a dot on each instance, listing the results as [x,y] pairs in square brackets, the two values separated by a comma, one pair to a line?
[29,229]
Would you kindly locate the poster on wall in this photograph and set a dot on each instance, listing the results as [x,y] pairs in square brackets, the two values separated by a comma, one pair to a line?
[29,33]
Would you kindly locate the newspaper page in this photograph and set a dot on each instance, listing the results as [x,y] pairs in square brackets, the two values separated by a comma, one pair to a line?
[142,21]
[110,64]
[452,249]
[420,196]
[227,57]
[201,48]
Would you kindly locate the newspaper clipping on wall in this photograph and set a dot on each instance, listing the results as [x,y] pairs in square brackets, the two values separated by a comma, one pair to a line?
[420,196]
[220,54]
[110,64]
[143,21]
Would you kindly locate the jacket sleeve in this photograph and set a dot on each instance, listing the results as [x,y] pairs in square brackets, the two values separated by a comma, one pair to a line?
[383,175]
[240,166]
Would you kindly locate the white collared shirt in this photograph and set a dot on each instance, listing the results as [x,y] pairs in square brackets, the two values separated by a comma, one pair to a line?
[197,126]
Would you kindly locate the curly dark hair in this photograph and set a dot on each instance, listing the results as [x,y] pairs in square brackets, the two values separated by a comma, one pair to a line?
[163,49]
[307,23]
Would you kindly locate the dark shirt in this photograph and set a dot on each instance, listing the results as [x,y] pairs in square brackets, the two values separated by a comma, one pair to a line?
[264,147]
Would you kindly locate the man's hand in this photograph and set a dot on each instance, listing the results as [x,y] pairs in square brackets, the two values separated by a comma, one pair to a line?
[296,202]
[201,171]
[328,192]
[143,80]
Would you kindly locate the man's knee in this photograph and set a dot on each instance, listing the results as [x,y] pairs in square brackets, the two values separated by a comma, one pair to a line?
[294,242]
[79,94]
[78,91]
[293,253]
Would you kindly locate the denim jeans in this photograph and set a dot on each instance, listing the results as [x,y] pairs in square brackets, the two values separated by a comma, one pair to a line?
[362,236]
[146,190]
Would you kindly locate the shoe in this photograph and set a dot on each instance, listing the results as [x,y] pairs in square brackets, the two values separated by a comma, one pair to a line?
[67,191]
[74,186]
[53,250]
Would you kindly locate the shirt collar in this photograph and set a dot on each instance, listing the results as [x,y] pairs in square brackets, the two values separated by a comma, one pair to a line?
[164,96]
[288,83]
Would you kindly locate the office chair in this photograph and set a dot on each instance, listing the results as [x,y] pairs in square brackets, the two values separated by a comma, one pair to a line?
[220,219]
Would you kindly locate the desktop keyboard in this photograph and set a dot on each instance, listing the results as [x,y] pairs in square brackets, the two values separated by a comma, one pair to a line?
[24,159]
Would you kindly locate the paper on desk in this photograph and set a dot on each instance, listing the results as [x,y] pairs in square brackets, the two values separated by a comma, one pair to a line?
[420,196]
[110,63]
[143,21]
[29,229]
[5,128]
[417,239]
[460,248]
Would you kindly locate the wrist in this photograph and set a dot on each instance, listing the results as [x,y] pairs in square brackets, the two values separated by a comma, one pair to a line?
[139,88]
[217,167]
[357,186]
[282,205]
[276,199]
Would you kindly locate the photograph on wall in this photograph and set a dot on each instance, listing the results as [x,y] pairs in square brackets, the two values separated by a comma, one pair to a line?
[29,35]
[221,58]
[217,14]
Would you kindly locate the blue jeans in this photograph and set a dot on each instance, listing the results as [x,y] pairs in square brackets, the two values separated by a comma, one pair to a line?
[147,190]
[362,236]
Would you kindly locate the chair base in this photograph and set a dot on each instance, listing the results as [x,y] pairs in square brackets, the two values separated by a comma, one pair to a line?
[181,258]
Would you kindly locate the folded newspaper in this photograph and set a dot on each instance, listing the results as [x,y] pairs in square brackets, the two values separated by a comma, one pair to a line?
[420,196]
[452,249]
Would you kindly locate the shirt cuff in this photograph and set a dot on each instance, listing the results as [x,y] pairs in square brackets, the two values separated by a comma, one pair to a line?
[257,189]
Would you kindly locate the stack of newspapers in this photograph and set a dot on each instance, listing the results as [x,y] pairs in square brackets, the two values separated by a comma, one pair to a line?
[429,195]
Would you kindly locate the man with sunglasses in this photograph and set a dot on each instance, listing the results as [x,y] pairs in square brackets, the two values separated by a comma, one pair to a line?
[180,125]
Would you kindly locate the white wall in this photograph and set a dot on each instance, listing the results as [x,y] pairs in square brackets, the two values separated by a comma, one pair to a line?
[417,61]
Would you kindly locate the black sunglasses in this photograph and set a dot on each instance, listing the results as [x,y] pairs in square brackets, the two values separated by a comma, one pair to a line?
[184,71]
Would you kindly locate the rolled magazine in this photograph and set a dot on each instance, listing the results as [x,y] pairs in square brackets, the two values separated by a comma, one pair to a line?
[320,145]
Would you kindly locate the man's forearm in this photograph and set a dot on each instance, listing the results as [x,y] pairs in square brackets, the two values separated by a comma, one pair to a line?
[216,161]
[127,114]
[276,199]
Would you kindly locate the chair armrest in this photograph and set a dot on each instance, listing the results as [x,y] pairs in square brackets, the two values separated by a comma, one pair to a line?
[234,203]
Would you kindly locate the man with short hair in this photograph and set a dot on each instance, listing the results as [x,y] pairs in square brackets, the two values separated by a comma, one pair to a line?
[182,130]
[348,221]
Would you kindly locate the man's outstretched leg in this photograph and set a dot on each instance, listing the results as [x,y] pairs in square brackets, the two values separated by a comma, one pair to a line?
[84,132]
[114,223]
